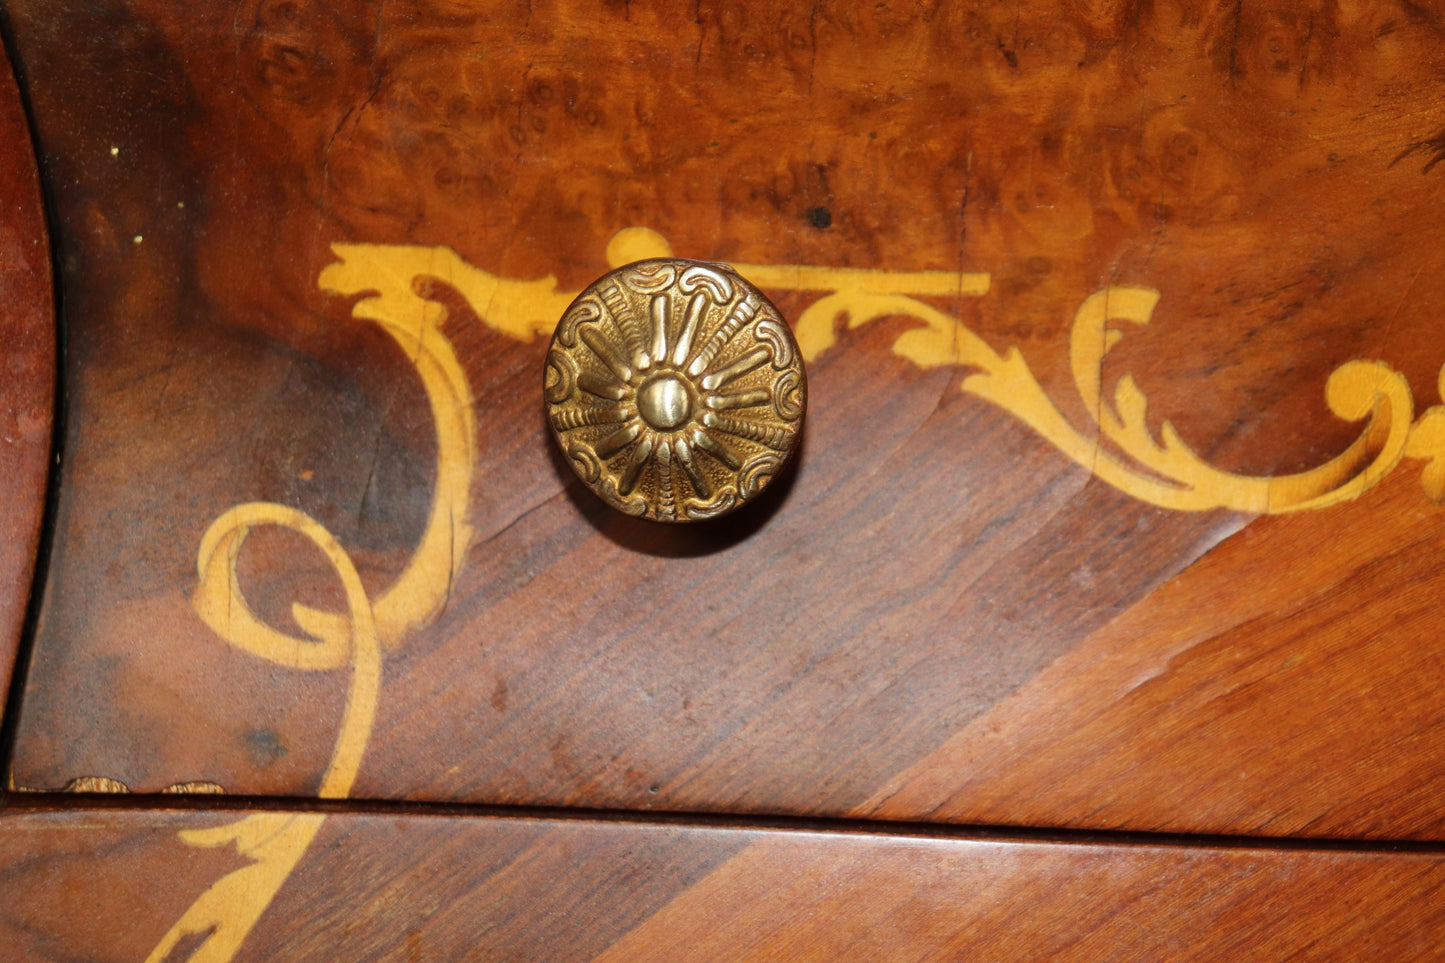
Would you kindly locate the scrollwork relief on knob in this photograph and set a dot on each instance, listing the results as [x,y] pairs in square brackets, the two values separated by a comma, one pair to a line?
[675,389]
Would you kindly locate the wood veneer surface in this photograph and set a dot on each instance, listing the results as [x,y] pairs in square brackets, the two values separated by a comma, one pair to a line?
[108,884]
[943,613]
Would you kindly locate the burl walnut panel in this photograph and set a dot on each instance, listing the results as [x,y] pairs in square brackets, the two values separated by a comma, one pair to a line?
[116,885]
[312,538]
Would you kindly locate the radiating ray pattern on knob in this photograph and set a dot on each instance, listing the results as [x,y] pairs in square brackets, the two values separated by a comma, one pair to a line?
[675,389]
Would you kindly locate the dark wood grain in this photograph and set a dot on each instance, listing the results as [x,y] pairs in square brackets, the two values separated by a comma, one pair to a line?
[27,367]
[1268,170]
[107,884]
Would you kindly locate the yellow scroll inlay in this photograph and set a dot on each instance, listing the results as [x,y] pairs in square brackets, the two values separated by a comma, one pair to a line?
[274,842]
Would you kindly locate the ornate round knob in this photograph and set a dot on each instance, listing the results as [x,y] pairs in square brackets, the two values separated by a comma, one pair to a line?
[675,389]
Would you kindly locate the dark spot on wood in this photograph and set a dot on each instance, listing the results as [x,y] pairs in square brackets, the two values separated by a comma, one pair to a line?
[1009,55]
[820,217]
[265,746]
[188,944]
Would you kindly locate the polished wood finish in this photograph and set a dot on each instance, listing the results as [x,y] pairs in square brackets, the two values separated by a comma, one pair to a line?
[27,367]
[1272,711]
[105,885]
[944,613]
[311,539]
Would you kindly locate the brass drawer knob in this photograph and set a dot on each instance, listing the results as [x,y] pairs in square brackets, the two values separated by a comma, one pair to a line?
[675,389]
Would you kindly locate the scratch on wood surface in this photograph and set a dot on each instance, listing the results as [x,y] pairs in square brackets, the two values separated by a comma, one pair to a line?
[813,40]
[1234,42]
[701,34]
[1433,147]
